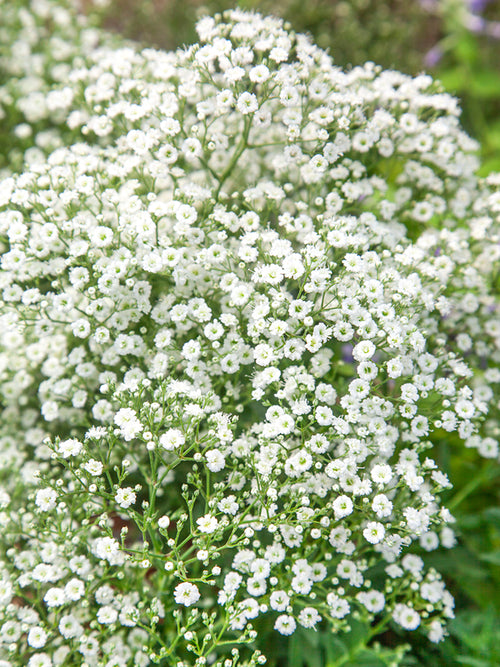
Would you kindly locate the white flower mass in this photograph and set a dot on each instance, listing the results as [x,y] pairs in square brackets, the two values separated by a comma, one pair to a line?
[239,299]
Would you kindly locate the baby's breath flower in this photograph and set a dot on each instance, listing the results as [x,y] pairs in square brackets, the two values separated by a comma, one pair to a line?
[125,497]
[186,594]
[223,322]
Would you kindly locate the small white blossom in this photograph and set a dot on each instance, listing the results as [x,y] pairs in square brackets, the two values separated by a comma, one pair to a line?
[186,594]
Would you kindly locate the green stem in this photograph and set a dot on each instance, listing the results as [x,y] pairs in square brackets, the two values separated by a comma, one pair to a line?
[236,156]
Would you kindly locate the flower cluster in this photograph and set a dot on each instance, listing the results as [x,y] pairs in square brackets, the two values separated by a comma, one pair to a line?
[235,315]
[41,42]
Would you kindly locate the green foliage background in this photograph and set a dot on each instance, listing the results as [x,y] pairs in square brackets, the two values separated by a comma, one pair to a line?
[402,35]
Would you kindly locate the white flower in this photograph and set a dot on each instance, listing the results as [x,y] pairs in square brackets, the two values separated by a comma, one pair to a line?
[215,460]
[339,607]
[406,617]
[207,524]
[69,627]
[37,660]
[107,615]
[37,637]
[74,589]
[309,617]
[285,624]
[45,499]
[247,103]
[374,532]
[172,439]
[436,631]
[130,426]
[465,409]
[68,448]
[259,74]
[108,549]
[186,594]
[256,586]
[279,600]
[6,592]
[264,354]
[363,350]
[342,506]
[381,473]
[324,415]
[55,597]
[93,467]
[50,410]
[374,601]
[229,278]
[382,506]
[81,328]
[125,497]
[298,463]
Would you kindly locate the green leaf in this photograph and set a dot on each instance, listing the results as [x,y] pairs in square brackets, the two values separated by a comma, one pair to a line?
[493,138]
[492,515]
[454,79]
[304,649]
[357,635]
[492,557]
[473,662]
[489,165]
[346,370]
[466,49]
[485,84]
[365,659]
[334,649]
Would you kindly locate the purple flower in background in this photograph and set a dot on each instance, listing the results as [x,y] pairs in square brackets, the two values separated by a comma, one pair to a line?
[433,56]
[477,6]
[347,353]
[430,5]
[475,23]
[493,29]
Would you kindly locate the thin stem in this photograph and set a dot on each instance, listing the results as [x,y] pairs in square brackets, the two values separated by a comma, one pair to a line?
[236,156]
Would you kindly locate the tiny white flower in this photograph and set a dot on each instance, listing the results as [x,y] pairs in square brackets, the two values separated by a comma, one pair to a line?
[37,637]
[207,523]
[45,499]
[374,532]
[186,594]
[107,615]
[342,506]
[125,497]
[172,439]
[285,624]
[247,103]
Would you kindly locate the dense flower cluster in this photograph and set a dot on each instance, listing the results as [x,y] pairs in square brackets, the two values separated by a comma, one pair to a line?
[41,42]
[235,315]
